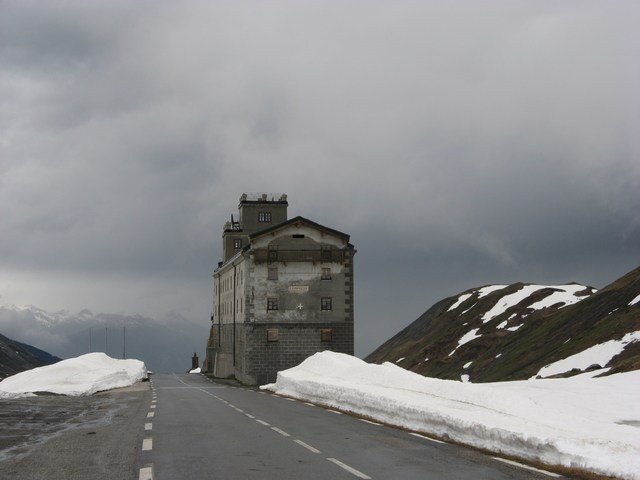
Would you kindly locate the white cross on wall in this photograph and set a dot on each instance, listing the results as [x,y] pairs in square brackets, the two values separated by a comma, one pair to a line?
[300,307]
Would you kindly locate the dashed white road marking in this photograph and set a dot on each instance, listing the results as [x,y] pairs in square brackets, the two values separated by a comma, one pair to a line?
[291,399]
[152,406]
[239,410]
[310,404]
[426,438]
[349,469]
[335,411]
[150,414]
[147,444]
[307,446]
[522,465]
[262,422]
[249,415]
[281,432]
[369,421]
[148,426]
[146,473]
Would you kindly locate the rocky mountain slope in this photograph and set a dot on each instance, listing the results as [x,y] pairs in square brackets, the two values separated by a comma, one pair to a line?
[511,332]
[165,345]
[16,357]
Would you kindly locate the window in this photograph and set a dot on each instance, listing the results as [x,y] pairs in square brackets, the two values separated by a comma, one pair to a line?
[326,274]
[272,273]
[325,303]
[272,334]
[297,235]
[264,217]
[326,253]
[272,254]
[326,334]
[237,243]
[272,303]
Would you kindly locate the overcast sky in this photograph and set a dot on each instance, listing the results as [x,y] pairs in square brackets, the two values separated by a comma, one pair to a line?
[459,143]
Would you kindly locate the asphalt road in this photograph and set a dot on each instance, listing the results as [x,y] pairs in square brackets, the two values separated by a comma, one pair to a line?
[196,428]
[55,437]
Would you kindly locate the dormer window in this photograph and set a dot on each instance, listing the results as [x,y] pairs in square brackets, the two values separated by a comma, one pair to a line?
[264,217]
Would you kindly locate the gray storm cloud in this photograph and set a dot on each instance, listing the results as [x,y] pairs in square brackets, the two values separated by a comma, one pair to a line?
[459,144]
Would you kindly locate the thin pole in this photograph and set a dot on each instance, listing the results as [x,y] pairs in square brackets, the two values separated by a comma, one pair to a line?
[89,339]
[124,341]
[106,341]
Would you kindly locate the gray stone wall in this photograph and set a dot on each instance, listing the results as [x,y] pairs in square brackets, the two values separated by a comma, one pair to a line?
[295,343]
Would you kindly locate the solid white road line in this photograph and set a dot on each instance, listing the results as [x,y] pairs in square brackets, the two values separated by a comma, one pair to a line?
[349,469]
[262,422]
[281,432]
[150,414]
[369,421]
[335,411]
[147,444]
[146,473]
[522,465]
[307,446]
[148,426]
[426,438]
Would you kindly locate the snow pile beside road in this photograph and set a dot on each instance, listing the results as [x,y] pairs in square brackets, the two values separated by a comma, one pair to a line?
[84,375]
[583,423]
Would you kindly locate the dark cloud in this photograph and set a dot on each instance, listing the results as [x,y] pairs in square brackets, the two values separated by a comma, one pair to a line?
[459,144]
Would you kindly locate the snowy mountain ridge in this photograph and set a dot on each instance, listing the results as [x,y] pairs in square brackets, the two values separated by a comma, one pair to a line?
[165,344]
[506,332]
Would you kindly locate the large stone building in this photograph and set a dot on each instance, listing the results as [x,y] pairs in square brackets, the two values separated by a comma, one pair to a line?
[283,292]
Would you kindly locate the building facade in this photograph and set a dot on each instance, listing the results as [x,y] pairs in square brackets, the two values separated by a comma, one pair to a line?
[283,292]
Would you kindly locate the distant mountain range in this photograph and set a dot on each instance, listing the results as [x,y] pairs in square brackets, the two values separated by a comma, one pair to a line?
[16,357]
[165,345]
[510,332]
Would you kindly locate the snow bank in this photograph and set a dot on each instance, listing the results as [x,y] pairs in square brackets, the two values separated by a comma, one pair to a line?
[580,423]
[599,354]
[84,375]
[195,370]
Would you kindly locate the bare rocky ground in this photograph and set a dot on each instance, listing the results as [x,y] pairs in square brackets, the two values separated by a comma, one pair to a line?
[58,437]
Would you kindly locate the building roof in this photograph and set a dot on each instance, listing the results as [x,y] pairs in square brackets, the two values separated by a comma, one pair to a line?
[298,220]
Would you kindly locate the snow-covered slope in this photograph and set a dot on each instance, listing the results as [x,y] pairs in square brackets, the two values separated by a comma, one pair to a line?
[514,331]
[84,375]
[580,423]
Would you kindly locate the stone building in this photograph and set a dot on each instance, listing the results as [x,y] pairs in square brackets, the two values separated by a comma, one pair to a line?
[283,292]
